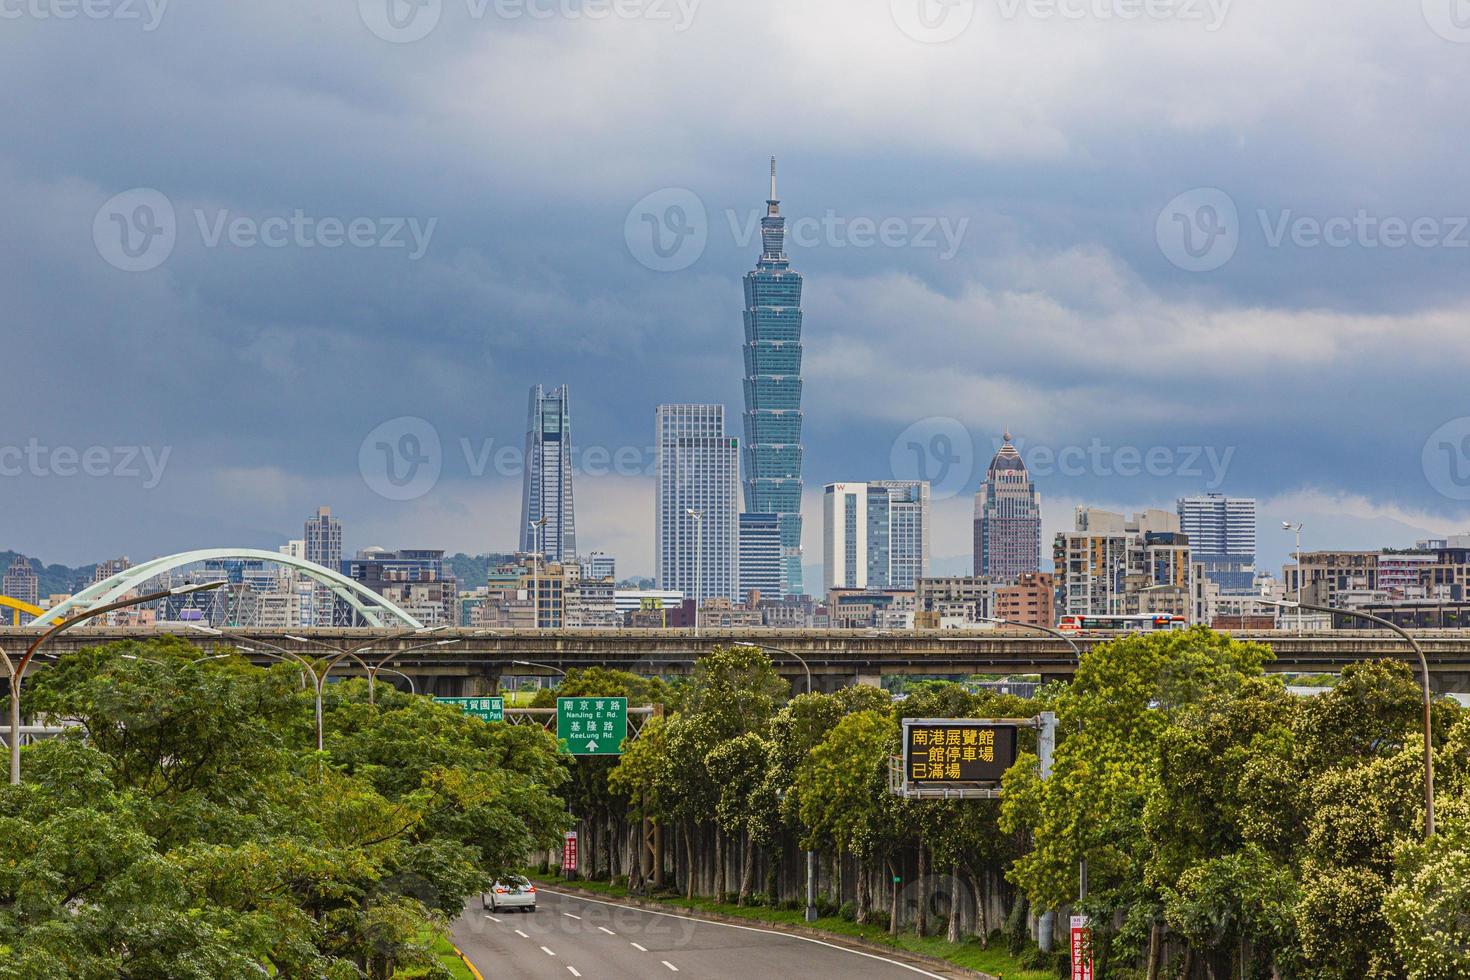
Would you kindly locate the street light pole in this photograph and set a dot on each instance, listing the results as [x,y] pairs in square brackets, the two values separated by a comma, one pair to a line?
[1076,655]
[372,671]
[17,672]
[811,856]
[539,546]
[698,516]
[1300,571]
[1428,697]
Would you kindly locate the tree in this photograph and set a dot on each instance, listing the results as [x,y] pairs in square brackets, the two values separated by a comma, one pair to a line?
[842,789]
[1106,768]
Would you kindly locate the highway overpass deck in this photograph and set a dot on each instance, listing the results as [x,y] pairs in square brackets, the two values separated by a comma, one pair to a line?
[477,658]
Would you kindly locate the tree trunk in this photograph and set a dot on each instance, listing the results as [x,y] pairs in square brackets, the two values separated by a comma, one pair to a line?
[893,899]
[864,890]
[1155,945]
[922,923]
[956,903]
[689,855]
[747,868]
[719,864]
[982,923]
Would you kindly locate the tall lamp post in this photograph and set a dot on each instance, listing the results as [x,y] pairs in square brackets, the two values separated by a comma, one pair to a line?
[1423,679]
[18,670]
[1077,656]
[1300,571]
[539,552]
[811,856]
[374,669]
[698,516]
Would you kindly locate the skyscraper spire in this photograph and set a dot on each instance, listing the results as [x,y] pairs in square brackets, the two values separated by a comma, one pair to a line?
[773,391]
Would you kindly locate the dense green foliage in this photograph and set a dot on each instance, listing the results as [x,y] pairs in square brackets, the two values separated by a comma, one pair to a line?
[191,830]
[1231,830]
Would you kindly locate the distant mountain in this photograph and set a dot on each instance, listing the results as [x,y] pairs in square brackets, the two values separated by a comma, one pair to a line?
[473,571]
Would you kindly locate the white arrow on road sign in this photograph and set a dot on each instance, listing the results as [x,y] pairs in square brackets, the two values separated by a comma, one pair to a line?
[592,746]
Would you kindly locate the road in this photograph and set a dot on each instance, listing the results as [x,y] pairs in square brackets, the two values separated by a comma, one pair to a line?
[570,936]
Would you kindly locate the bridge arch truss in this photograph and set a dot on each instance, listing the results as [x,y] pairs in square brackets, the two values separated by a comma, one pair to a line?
[375,609]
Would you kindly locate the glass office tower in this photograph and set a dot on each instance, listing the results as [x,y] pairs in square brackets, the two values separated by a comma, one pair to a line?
[773,389]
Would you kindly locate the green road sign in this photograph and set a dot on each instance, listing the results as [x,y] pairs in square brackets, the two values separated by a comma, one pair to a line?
[592,726]
[485,709]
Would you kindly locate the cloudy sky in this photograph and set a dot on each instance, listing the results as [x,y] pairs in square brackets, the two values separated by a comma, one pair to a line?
[254,253]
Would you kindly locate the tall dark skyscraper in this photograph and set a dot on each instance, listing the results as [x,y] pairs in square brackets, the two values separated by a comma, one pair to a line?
[1007,519]
[773,389]
[548,517]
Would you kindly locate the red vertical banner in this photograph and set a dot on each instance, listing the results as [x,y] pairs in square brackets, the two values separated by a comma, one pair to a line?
[569,852]
[1081,948]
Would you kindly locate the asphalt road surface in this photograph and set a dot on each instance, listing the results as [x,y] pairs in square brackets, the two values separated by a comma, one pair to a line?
[570,936]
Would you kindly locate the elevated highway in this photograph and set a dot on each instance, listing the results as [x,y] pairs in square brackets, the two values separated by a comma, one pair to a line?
[476,659]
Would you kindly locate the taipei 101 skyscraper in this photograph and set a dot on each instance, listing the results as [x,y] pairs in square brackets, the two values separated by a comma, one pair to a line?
[773,389]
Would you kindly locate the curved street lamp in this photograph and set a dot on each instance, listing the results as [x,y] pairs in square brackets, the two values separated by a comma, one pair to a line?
[1423,678]
[1077,655]
[18,669]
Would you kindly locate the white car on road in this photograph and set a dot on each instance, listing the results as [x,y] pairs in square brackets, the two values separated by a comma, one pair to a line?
[513,892]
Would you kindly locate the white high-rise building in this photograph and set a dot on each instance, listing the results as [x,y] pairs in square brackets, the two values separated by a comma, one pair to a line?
[875,535]
[323,537]
[1222,538]
[697,502]
[548,519]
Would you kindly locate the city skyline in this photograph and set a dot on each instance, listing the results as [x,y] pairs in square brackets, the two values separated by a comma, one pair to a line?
[529,272]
